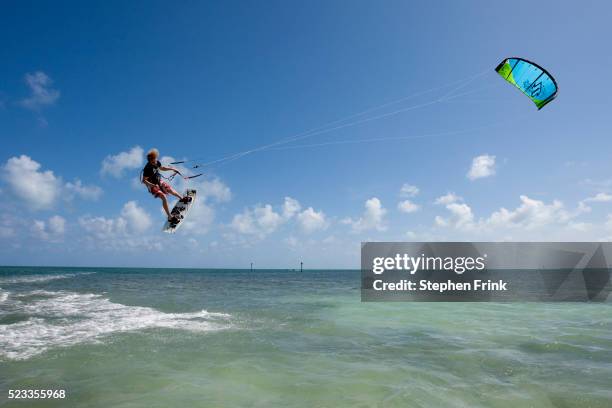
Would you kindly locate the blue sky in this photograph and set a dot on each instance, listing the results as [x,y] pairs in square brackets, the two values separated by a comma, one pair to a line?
[81,84]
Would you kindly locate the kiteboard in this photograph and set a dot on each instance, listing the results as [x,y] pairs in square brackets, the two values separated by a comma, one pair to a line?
[180,211]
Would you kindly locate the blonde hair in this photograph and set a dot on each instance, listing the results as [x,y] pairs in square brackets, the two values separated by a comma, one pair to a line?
[152,153]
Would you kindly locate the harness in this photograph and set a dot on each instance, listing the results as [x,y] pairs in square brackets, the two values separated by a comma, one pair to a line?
[169,178]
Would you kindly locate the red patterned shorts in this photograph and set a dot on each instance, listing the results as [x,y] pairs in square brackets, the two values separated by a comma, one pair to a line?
[162,189]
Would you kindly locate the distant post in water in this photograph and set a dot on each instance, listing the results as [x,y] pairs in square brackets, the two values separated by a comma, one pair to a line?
[251,266]
[301,266]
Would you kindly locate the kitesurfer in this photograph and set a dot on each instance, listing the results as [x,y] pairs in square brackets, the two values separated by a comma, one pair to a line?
[152,178]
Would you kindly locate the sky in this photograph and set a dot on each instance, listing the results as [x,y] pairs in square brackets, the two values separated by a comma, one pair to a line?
[417,137]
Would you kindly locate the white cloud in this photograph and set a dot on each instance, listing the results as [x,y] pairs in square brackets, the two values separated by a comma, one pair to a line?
[461,216]
[103,228]
[202,213]
[201,217]
[482,166]
[51,230]
[408,190]
[599,198]
[266,219]
[447,199]
[86,192]
[260,221]
[372,218]
[133,219]
[41,91]
[37,189]
[116,165]
[311,220]
[290,207]
[57,225]
[215,189]
[530,215]
[38,229]
[137,219]
[407,206]
[126,232]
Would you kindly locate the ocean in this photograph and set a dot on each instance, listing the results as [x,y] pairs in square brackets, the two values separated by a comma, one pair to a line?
[270,338]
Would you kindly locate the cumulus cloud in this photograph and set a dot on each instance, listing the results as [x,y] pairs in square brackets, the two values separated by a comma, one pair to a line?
[201,217]
[115,165]
[126,232]
[372,218]
[408,190]
[260,221]
[41,91]
[202,213]
[208,189]
[132,220]
[86,192]
[103,228]
[482,166]
[51,230]
[137,219]
[531,214]
[290,207]
[38,189]
[311,220]
[461,213]
[214,189]
[57,225]
[447,199]
[263,220]
[597,198]
[407,206]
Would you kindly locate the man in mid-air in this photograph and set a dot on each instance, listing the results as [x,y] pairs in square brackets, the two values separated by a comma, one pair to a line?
[157,187]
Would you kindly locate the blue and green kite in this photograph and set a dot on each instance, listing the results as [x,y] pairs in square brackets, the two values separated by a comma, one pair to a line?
[530,78]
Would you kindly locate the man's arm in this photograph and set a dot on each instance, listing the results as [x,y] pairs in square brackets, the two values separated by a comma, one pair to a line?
[165,168]
[147,182]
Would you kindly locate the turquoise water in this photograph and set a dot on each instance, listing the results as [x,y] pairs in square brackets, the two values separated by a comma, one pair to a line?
[195,338]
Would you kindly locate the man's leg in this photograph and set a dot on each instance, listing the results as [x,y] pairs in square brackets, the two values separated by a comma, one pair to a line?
[172,191]
[165,204]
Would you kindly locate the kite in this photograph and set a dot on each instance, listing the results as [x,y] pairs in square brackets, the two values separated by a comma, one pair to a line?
[530,78]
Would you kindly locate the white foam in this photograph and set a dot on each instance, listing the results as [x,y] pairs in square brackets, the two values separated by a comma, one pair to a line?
[3,295]
[39,278]
[87,318]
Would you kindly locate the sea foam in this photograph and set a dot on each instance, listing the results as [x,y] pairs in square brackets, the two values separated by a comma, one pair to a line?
[8,280]
[60,319]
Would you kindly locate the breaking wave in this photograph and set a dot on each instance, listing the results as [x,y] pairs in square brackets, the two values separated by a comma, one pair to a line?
[60,319]
[8,280]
